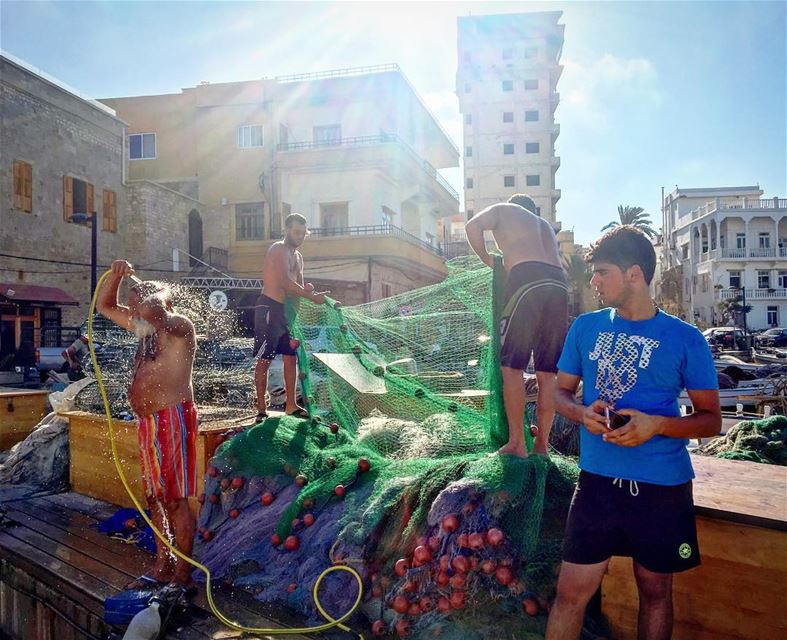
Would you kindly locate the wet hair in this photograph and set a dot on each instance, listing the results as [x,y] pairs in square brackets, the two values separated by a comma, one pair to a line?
[148,288]
[294,218]
[524,201]
[625,246]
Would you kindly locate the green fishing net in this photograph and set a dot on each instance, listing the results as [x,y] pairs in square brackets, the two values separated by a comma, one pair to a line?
[762,441]
[394,470]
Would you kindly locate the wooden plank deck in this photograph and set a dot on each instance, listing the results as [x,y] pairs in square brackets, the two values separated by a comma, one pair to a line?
[54,564]
[740,589]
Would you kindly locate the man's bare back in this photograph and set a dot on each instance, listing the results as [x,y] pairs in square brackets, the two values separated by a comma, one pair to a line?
[275,274]
[523,236]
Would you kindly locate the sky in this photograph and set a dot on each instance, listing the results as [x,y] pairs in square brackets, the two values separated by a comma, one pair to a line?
[653,94]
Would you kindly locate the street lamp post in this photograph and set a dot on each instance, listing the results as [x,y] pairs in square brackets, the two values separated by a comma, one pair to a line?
[743,311]
[83,218]
[745,326]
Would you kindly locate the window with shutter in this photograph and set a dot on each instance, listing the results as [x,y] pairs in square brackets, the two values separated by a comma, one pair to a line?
[68,198]
[18,185]
[27,198]
[90,202]
[78,197]
[23,186]
[110,211]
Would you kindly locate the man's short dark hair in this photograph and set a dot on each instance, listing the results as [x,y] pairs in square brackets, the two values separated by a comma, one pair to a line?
[294,218]
[525,201]
[624,246]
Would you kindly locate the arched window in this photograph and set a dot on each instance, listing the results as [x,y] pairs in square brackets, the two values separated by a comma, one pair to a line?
[195,236]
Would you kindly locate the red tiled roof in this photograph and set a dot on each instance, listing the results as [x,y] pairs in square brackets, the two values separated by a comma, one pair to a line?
[14,292]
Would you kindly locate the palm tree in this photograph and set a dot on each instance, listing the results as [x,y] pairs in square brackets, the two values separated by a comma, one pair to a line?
[578,276]
[636,217]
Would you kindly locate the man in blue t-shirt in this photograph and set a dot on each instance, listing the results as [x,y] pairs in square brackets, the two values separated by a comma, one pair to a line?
[634,494]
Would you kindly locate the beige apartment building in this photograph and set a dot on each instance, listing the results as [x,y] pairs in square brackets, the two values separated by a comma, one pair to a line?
[509,67]
[354,150]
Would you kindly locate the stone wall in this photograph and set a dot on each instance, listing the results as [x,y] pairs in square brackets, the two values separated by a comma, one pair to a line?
[59,134]
[158,222]
[62,134]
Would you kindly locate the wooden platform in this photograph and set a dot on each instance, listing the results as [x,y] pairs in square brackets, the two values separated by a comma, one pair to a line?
[740,590]
[51,558]
[92,468]
[20,411]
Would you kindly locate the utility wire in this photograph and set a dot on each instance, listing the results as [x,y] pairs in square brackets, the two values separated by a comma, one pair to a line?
[84,264]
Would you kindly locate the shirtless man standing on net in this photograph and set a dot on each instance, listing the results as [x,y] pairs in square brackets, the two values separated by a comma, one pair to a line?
[536,310]
[282,273]
[162,398]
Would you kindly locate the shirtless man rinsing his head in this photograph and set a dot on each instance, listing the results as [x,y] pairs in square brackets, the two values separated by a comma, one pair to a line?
[536,311]
[162,398]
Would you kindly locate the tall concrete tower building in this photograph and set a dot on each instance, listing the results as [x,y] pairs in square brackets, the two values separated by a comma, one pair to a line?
[509,67]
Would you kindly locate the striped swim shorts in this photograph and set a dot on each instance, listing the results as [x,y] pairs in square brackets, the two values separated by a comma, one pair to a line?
[168,451]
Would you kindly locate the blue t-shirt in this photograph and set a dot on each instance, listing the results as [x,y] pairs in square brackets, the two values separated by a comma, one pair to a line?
[643,365]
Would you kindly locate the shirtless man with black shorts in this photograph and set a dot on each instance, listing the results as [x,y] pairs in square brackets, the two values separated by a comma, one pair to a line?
[535,316]
[282,273]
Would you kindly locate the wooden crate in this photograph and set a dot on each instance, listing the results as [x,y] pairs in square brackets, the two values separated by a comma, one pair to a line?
[20,411]
[92,468]
[740,590]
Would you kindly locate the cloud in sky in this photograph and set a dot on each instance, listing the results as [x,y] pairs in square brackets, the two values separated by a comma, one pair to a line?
[591,92]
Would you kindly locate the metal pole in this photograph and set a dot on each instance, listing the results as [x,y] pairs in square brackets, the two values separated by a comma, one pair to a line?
[745,326]
[93,253]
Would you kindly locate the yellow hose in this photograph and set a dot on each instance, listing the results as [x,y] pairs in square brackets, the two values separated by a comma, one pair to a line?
[332,622]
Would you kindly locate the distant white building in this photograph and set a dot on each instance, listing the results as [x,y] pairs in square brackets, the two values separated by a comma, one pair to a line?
[509,67]
[730,243]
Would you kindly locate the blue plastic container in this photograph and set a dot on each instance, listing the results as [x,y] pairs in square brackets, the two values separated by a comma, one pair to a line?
[125,605]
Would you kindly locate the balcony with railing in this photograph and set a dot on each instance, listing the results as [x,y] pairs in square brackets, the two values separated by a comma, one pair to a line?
[370,141]
[374,230]
[350,245]
[753,294]
[338,73]
[739,205]
[456,249]
[743,254]
[216,257]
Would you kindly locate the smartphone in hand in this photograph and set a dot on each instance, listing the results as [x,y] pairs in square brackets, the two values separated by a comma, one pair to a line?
[614,419]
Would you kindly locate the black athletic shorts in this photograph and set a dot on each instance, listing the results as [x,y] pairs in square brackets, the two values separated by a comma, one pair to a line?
[535,316]
[271,333]
[651,523]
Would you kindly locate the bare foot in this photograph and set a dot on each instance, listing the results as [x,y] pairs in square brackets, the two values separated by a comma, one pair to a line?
[540,450]
[513,450]
[189,588]
[154,578]
[296,410]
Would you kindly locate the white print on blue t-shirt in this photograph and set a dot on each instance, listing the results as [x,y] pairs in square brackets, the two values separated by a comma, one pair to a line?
[617,370]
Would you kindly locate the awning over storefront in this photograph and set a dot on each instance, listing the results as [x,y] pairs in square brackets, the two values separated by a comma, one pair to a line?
[33,293]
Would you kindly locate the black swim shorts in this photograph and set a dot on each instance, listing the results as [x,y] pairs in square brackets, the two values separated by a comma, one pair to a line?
[651,523]
[535,316]
[271,333]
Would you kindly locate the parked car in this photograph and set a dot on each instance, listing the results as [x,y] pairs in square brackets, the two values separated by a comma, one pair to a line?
[726,338]
[776,337]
